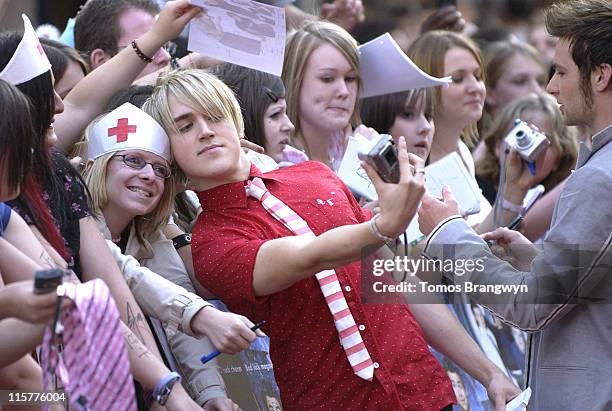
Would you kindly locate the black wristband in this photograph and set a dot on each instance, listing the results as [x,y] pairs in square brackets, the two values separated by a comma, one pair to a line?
[181,240]
[140,54]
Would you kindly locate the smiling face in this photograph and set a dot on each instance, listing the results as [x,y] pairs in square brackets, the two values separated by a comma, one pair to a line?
[328,92]
[565,87]
[130,191]
[462,101]
[417,128]
[277,129]
[521,76]
[207,151]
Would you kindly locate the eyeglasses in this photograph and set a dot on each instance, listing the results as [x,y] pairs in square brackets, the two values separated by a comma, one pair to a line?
[133,161]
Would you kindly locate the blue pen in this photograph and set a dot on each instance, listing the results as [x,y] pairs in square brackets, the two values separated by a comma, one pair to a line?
[532,168]
[214,354]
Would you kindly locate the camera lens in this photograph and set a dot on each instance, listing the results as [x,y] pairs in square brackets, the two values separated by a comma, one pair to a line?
[522,139]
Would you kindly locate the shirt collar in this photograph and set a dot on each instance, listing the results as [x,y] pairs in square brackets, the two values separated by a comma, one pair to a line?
[230,195]
[599,140]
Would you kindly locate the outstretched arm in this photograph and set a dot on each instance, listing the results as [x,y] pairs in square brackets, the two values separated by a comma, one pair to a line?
[445,334]
[90,95]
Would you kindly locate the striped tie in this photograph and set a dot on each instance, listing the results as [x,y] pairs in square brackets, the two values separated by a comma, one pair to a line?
[93,366]
[350,338]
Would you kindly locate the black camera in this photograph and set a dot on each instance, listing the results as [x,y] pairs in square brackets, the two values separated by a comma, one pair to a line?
[382,156]
[46,281]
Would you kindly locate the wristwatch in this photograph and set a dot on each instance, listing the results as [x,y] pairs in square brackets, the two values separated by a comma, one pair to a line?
[181,240]
[162,390]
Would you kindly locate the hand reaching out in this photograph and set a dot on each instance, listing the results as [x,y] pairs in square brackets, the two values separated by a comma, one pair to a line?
[345,13]
[229,333]
[513,247]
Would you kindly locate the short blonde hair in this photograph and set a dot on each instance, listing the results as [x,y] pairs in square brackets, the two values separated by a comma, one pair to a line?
[561,138]
[300,45]
[428,52]
[145,226]
[201,91]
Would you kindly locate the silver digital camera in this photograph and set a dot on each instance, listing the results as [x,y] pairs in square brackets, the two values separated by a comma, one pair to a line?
[382,156]
[529,143]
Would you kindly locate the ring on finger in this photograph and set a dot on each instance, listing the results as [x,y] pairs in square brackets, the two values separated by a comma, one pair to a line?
[419,170]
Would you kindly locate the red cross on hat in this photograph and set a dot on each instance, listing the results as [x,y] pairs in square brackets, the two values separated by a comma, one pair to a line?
[122,130]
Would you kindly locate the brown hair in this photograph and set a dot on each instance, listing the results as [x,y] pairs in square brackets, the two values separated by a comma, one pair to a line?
[380,112]
[587,25]
[97,23]
[255,91]
[300,45]
[428,52]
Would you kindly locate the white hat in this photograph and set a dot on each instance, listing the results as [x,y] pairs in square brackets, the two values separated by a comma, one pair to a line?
[127,128]
[29,60]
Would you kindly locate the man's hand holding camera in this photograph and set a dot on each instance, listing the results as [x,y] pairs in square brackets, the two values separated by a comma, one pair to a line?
[399,202]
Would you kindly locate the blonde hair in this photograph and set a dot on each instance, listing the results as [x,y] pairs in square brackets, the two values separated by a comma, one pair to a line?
[201,91]
[144,226]
[561,138]
[428,52]
[300,45]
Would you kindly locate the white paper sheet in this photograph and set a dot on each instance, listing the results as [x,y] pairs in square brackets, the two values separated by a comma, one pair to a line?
[243,32]
[451,172]
[385,69]
[520,402]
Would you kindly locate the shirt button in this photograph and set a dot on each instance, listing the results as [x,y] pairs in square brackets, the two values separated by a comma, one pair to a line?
[376,365]
[347,288]
[361,327]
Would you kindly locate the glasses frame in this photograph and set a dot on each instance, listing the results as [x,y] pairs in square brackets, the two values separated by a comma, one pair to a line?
[132,166]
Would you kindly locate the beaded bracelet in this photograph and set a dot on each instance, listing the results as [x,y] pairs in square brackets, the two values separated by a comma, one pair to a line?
[140,54]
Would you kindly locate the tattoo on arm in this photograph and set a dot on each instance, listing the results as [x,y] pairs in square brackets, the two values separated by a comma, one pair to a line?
[134,344]
[135,322]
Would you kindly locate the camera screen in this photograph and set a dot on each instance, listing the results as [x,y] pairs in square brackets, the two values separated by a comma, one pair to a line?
[390,156]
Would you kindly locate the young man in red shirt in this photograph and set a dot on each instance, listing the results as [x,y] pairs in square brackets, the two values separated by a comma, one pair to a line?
[258,267]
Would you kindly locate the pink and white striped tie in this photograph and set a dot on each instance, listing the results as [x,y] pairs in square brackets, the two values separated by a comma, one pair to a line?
[93,366]
[350,338]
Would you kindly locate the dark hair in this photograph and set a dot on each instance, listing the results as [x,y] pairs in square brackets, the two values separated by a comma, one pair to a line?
[379,112]
[97,24]
[135,95]
[255,91]
[587,25]
[60,56]
[16,135]
[40,93]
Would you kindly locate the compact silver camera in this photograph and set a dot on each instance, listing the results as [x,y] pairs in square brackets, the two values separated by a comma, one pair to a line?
[529,143]
[382,155]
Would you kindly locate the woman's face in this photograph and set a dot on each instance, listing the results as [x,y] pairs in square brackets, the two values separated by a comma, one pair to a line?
[417,128]
[521,75]
[277,129]
[463,99]
[329,90]
[71,77]
[132,191]
[51,137]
